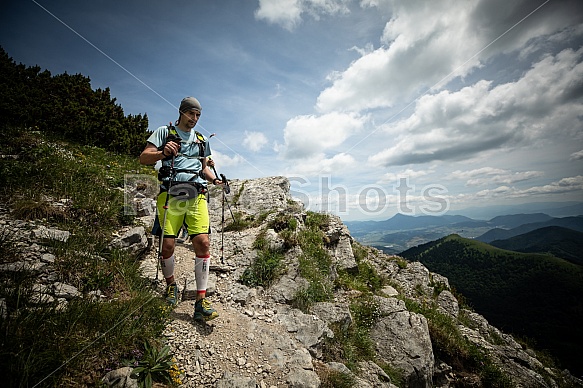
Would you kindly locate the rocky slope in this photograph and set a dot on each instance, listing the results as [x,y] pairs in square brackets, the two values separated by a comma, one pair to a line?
[260,340]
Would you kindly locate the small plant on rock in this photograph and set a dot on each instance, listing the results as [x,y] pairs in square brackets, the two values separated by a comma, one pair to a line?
[156,366]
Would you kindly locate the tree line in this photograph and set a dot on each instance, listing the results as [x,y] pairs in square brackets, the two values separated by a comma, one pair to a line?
[66,107]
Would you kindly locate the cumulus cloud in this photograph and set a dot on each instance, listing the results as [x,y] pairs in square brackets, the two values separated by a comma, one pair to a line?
[306,136]
[424,45]
[565,185]
[254,141]
[288,13]
[543,104]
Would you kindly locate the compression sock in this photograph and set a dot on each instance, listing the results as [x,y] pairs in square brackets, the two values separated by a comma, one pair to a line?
[201,273]
[167,266]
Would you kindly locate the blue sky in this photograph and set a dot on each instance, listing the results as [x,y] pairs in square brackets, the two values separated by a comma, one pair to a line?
[370,107]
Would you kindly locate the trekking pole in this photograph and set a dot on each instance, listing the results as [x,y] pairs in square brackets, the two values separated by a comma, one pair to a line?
[223,229]
[161,238]
[226,190]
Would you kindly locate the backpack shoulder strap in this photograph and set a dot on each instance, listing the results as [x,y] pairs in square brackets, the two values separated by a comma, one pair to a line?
[172,129]
[199,136]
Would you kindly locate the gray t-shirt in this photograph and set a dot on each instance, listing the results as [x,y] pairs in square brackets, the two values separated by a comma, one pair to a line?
[189,157]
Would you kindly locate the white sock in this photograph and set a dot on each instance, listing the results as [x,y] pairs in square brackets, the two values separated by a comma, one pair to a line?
[201,272]
[167,267]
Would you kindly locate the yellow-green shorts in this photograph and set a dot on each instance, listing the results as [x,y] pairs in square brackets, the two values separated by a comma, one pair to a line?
[193,213]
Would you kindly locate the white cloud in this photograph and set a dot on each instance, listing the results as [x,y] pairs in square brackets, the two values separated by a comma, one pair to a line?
[507,178]
[464,175]
[407,173]
[562,186]
[565,185]
[493,176]
[542,105]
[223,160]
[320,165]
[306,136]
[254,141]
[416,53]
[576,155]
[288,13]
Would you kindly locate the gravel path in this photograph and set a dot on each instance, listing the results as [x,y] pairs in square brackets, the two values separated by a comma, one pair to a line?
[243,341]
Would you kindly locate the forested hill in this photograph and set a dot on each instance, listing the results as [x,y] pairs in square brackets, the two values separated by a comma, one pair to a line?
[561,242]
[534,295]
[65,106]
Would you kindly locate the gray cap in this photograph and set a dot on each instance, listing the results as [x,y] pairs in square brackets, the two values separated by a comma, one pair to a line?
[189,103]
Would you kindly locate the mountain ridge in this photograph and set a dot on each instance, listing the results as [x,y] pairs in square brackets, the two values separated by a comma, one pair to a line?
[574,223]
[402,232]
[559,241]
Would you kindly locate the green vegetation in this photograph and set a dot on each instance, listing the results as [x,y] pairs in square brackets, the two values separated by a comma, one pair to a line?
[451,346]
[269,263]
[331,378]
[267,266]
[90,180]
[559,241]
[68,152]
[530,295]
[66,107]
[314,263]
[76,188]
[156,366]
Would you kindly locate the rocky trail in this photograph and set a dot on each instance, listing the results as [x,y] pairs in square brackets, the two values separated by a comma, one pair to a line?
[246,345]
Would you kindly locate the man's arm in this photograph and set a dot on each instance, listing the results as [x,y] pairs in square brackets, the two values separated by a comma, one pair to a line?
[150,154]
[210,176]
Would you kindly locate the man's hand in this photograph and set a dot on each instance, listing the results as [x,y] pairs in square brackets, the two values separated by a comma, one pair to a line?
[171,148]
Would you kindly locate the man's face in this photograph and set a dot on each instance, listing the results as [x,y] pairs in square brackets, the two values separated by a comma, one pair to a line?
[191,117]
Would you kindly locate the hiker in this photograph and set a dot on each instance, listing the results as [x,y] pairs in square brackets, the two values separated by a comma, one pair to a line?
[184,175]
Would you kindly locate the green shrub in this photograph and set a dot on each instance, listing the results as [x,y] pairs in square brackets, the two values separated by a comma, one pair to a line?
[264,270]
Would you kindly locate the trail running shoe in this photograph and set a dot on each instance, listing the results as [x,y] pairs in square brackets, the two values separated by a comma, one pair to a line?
[203,311]
[172,294]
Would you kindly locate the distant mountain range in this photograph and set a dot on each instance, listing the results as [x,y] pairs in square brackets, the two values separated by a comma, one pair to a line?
[554,209]
[402,232]
[574,223]
[401,222]
[556,240]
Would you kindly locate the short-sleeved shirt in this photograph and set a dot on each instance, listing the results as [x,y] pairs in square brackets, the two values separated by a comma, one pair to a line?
[189,157]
